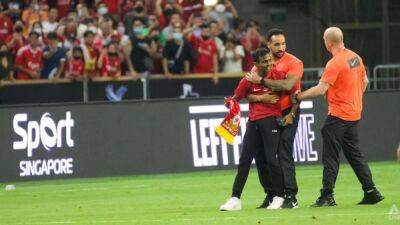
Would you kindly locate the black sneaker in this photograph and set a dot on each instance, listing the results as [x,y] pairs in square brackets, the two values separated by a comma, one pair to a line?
[265,203]
[371,197]
[290,202]
[323,201]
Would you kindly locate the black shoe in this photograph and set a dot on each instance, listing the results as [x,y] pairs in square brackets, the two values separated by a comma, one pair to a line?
[324,200]
[265,203]
[371,197]
[290,202]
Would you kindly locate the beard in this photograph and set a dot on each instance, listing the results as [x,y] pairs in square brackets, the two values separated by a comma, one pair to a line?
[278,54]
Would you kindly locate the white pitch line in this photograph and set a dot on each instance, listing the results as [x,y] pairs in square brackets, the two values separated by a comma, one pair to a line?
[201,219]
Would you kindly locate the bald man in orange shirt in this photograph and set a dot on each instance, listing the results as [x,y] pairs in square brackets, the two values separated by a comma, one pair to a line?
[344,82]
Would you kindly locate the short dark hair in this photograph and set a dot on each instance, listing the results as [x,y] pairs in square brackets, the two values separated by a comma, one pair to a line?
[258,53]
[274,31]
[87,33]
[34,33]
[52,36]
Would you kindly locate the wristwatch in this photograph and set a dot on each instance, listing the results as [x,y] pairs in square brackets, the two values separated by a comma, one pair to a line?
[293,114]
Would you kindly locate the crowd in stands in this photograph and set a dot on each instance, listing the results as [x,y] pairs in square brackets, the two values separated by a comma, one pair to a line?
[78,39]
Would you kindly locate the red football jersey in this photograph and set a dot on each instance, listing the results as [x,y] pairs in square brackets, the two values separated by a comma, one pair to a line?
[76,67]
[258,110]
[30,59]
[207,50]
[6,27]
[111,66]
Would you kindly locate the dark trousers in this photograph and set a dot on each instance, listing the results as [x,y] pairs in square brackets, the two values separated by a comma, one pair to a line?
[261,142]
[285,157]
[340,135]
[285,154]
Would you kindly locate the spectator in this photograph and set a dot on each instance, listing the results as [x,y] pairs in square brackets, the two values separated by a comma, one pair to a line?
[29,59]
[232,56]
[239,29]
[251,41]
[169,30]
[54,58]
[138,11]
[207,61]
[75,68]
[157,57]
[190,7]
[70,39]
[90,54]
[51,24]
[140,49]
[37,27]
[215,31]
[14,9]
[6,64]
[63,6]
[176,55]
[113,6]
[34,13]
[6,25]
[16,40]
[110,61]
[224,11]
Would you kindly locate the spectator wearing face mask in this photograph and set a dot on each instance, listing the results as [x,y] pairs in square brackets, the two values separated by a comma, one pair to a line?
[6,64]
[28,61]
[54,58]
[51,24]
[232,56]
[224,11]
[14,9]
[34,13]
[176,55]
[138,11]
[207,59]
[110,61]
[70,39]
[169,30]
[75,68]
[102,9]
[140,49]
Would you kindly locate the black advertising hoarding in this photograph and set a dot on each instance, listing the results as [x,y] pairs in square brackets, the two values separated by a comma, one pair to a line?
[115,90]
[92,140]
[191,88]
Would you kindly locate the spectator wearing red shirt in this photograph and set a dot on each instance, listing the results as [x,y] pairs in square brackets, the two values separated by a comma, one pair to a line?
[207,59]
[29,59]
[190,7]
[75,68]
[114,6]
[110,61]
[63,7]
[6,25]
[16,40]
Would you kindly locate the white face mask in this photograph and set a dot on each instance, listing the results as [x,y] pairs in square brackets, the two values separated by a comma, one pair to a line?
[103,11]
[121,30]
[37,30]
[93,29]
[220,8]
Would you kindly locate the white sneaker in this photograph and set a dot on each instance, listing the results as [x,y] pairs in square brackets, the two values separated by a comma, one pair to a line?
[276,203]
[233,204]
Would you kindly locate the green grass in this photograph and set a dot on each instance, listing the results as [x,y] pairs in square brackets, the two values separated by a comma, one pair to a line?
[193,198]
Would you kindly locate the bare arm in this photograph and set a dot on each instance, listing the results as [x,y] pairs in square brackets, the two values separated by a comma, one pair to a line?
[60,69]
[264,98]
[313,92]
[365,83]
[187,67]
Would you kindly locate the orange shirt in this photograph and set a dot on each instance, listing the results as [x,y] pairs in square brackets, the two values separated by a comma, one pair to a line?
[289,64]
[345,73]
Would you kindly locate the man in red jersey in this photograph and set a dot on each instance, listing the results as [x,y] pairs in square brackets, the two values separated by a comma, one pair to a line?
[207,59]
[261,138]
[292,70]
[6,25]
[29,59]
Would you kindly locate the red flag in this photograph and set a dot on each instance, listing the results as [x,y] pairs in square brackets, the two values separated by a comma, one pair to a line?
[229,127]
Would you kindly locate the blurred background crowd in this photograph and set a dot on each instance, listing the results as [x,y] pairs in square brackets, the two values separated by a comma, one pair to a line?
[51,39]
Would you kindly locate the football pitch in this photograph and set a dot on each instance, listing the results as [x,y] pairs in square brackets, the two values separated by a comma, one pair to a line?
[194,198]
